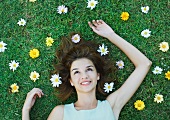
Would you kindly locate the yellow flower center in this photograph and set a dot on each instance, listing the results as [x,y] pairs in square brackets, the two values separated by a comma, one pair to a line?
[15,87]
[109,87]
[62,10]
[91,4]
[14,65]
[163,46]
[1,46]
[75,38]
[103,50]
[56,80]
[139,104]
[34,52]
[22,22]
[120,64]
[34,76]
[158,98]
[145,33]
[145,9]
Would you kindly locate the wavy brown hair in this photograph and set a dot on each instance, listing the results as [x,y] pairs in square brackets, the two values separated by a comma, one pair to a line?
[69,52]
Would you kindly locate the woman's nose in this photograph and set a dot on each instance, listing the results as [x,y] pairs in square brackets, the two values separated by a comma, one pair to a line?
[84,76]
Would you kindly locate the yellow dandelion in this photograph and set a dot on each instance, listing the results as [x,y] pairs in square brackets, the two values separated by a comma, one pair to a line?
[14,88]
[167,75]
[49,41]
[139,105]
[124,16]
[34,53]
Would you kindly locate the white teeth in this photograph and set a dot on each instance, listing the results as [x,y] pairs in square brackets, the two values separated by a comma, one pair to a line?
[85,83]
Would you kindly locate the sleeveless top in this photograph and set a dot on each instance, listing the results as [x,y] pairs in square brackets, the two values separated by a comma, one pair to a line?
[103,111]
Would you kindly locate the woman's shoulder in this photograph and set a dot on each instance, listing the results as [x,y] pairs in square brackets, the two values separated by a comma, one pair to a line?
[57,113]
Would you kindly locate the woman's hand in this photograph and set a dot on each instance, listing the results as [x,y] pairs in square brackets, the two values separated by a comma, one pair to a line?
[101,28]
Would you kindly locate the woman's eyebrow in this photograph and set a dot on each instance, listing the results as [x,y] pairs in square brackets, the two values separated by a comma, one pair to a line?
[74,69]
[89,66]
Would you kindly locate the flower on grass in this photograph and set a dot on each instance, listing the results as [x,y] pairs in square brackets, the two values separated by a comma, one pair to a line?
[55,79]
[2,46]
[124,16]
[158,98]
[157,70]
[14,88]
[21,22]
[146,33]
[108,87]
[34,76]
[76,38]
[120,64]
[139,105]
[167,75]
[34,53]
[164,46]
[62,9]
[13,65]
[32,0]
[49,41]
[92,4]
[103,50]
[145,9]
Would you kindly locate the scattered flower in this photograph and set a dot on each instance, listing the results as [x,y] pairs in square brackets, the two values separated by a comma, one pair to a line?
[124,16]
[21,22]
[145,9]
[76,38]
[34,53]
[108,87]
[167,75]
[158,98]
[139,105]
[56,80]
[13,65]
[62,9]
[157,70]
[32,0]
[49,41]
[164,46]
[34,76]
[2,46]
[103,50]
[14,88]
[92,4]
[120,64]
[146,33]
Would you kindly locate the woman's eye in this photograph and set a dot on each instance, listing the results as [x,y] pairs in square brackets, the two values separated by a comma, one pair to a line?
[89,69]
[76,72]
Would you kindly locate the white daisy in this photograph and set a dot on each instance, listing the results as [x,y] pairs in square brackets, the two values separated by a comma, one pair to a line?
[158,98]
[108,87]
[62,9]
[103,50]
[13,65]
[92,4]
[146,33]
[145,9]
[2,46]
[120,64]
[157,70]
[21,22]
[75,38]
[56,80]
[164,46]
[34,76]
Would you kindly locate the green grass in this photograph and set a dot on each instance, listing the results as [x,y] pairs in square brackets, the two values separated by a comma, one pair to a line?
[42,19]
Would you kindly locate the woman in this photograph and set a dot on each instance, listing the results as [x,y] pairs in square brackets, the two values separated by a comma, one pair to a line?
[84,76]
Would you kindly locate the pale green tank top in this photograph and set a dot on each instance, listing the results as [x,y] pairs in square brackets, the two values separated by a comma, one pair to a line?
[103,111]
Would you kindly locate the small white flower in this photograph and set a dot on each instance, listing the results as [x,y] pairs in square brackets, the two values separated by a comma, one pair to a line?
[34,76]
[157,70]
[103,50]
[56,80]
[13,65]
[146,33]
[108,87]
[32,0]
[21,22]
[145,9]
[120,64]
[158,98]
[164,46]
[75,38]
[62,9]
[2,46]
[92,4]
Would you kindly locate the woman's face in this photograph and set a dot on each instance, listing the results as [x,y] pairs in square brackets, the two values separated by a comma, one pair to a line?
[84,75]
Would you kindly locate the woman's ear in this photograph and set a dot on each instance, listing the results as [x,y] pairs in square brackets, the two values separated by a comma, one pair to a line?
[98,76]
[71,82]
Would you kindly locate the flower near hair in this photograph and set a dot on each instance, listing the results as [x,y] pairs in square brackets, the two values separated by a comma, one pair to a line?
[34,53]
[139,105]
[14,88]
[21,22]
[92,4]
[157,70]
[120,64]
[62,9]
[167,75]
[56,80]
[164,46]
[2,46]
[124,16]
[32,0]
[76,38]
[108,87]
[34,76]
[103,50]
[13,65]
[158,98]
[145,9]
[49,41]
[146,33]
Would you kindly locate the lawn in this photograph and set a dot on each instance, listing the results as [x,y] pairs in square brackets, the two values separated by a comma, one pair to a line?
[42,21]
